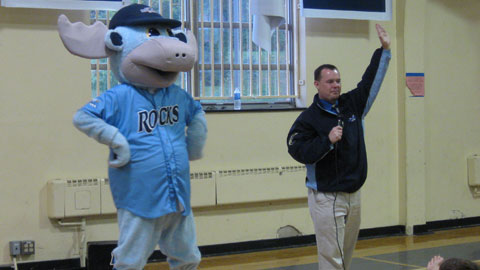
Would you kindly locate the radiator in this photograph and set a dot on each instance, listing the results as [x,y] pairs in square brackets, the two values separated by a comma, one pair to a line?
[203,186]
[79,197]
[85,197]
[261,184]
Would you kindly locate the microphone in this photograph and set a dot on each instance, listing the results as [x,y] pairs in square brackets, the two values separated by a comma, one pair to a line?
[339,115]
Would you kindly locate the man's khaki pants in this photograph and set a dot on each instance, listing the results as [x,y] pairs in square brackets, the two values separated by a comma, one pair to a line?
[336,238]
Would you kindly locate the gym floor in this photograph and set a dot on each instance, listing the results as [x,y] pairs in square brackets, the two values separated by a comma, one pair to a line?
[392,253]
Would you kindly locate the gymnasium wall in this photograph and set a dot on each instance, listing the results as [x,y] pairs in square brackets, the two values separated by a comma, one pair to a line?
[42,85]
[452,107]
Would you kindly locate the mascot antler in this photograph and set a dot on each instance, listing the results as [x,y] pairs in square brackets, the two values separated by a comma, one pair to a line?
[82,40]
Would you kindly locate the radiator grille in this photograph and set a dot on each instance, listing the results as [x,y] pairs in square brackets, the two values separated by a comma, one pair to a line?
[258,171]
[83,182]
[201,175]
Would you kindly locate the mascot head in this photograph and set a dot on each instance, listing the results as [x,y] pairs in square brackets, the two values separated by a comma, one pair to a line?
[143,47]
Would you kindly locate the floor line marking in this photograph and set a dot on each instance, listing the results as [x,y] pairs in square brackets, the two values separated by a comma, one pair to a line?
[390,262]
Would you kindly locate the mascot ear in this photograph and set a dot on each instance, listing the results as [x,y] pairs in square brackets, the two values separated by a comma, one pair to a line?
[113,41]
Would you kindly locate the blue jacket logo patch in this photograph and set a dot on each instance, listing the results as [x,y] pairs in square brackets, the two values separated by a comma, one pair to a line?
[352,118]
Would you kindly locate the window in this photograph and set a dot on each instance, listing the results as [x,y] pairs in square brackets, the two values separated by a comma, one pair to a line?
[228,59]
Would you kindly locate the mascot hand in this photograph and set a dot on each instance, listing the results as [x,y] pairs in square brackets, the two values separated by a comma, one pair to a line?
[196,136]
[106,134]
[121,151]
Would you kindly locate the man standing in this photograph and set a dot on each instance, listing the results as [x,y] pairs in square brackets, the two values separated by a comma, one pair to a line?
[328,138]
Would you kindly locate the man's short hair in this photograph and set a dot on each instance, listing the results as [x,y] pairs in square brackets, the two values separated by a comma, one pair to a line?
[458,264]
[317,75]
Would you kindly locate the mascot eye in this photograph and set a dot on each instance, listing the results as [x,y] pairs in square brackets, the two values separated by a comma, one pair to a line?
[153,32]
[169,32]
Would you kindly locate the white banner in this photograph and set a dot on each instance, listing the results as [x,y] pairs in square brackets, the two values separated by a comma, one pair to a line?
[66,4]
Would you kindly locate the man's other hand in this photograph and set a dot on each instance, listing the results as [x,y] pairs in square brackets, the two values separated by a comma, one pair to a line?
[383,36]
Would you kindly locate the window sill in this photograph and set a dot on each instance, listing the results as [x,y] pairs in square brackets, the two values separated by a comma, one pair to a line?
[253,108]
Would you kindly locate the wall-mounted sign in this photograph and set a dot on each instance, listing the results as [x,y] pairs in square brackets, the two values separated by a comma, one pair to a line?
[416,84]
[348,9]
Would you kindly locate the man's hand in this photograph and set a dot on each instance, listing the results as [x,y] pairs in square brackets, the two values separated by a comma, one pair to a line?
[335,134]
[383,36]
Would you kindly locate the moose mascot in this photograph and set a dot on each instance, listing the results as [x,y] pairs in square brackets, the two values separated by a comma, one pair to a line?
[152,127]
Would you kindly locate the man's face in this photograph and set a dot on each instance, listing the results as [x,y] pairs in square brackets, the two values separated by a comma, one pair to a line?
[329,87]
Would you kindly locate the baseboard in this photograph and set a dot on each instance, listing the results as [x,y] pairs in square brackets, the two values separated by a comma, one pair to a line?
[70,264]
[381,232]
[431,226]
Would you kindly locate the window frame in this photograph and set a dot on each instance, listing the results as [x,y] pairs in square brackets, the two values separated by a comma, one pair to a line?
[296,98]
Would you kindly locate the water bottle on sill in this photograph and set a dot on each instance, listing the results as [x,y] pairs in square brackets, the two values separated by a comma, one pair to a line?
[237,99]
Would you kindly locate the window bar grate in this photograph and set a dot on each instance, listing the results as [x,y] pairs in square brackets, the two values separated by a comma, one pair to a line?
[202,26]
[108,71]
[277,43]
[260,77]
[97,68]
[269,83]
[241,44]
[212,48]
[171,9]
[182,19]
[287,51]
[250,50]
[230,15]
[222,68]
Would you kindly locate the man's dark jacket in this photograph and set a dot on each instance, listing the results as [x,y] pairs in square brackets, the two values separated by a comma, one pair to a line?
[343,166]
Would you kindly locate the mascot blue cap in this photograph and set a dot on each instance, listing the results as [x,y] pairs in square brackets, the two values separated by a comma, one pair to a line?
[137,14]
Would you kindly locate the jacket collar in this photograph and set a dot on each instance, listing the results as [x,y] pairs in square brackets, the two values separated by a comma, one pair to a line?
[325,105]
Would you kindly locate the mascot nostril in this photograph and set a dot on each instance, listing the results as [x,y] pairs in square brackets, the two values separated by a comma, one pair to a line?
[143,120]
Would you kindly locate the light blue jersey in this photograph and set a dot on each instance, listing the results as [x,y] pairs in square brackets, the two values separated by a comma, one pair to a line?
[157,177]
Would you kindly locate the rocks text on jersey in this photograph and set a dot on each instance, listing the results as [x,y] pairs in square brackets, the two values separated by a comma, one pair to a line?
[148,120]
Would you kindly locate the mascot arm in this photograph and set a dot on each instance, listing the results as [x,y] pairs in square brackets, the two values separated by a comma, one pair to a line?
[106,134]
[196,136]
